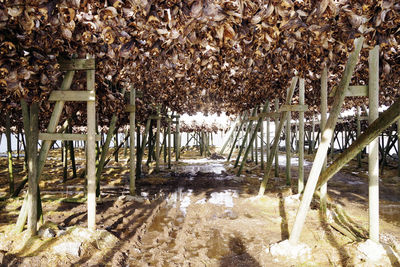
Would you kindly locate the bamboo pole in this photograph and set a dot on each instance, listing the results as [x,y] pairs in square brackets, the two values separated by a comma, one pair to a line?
[9,154]
[256,143]
[91,152]
[72,153]
[288,147]
[169,143]
[158,140]
[144,138]
[132,151]
[296,137]
[138,153]
[116,145]
[150,143]
[278,131]
[358,133]
[277,135]
[324,114]
[65,161]
[165,144]
[313,141]
[262,140]
[236,138]
[301,138]
[333,144]
[23,214]
[104,152]
[398,147]
[32,170]
[177,141]
[323,147]
[373,157]
[126,144]
[249,127]
[252,139]
[268,133]
[18,143]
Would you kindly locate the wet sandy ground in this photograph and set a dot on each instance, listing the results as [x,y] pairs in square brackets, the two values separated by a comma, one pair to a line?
[201,214]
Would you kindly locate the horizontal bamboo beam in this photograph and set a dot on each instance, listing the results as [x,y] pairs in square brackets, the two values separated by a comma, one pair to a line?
[65,137]
[70,95]
[268,115]
[264,115]
[357,90]
[354,90]
[298,108]
[77,64]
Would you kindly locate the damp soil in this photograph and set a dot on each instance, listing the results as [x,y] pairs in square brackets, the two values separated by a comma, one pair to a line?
[199,213]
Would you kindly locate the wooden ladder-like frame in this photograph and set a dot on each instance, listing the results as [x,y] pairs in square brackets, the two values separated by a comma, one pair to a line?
[89,96]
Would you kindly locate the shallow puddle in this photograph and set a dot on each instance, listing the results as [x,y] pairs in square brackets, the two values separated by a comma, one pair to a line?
[390,213]
[201,165]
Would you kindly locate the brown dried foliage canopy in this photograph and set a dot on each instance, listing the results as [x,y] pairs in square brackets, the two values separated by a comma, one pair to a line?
[194,55]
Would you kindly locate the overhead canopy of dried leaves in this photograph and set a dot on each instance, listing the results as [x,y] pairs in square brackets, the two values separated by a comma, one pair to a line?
[194,55]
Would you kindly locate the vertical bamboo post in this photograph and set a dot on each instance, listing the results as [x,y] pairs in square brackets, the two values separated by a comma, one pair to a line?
[327,135]
[165,144]
[301,138]
[126,145]
[358,133]
[72,153]
[296,137]
[9,153]
[255,144]
[324,111]
[65,161]
[169,143]
[373,157]
[177,152]
[398,146]
[138,153]
[288,147]
[268,132]
[313,141]
[143,146]
[18,142]
[150,143]
[277,135]
[91,153]
[32,170]
[116,144]
[262,141]
[158,140]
